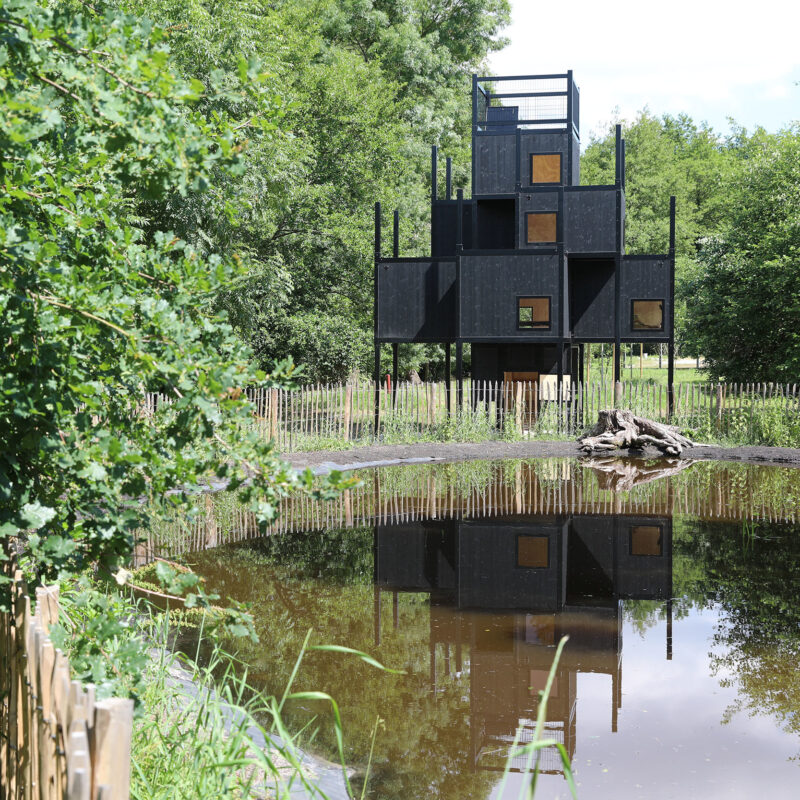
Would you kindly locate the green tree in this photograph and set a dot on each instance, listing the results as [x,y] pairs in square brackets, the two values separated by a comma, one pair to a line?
[368,86]
[94,121]
[743,294]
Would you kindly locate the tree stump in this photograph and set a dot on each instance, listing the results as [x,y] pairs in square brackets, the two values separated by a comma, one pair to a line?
[616,428]
[621,475]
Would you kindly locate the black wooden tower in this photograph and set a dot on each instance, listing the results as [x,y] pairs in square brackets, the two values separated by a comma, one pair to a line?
[532,266]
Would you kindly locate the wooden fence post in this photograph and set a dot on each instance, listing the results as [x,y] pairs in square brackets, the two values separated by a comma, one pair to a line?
[348,402]
[518,406]
[273,414]
[46,721]
[111,751]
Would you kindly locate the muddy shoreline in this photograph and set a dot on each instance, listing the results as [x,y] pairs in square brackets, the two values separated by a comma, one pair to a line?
[391,454]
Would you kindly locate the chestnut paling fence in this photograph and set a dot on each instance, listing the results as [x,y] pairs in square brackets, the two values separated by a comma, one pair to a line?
[722,492]
[318,416]
[56,740]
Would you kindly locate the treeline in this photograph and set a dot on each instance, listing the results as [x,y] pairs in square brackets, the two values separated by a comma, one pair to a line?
[737,237]
[358,91]
[365,88]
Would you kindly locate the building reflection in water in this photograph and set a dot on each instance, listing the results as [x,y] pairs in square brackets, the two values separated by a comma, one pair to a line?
[507,589]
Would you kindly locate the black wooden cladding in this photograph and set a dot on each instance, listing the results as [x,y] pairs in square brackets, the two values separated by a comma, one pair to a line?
[488,575]
[588,560]
[416,556]
[502,160]
[532,142]
[576,161]
[645,278]
[537,202]
[443,220]
[591,298]
[491,285]
[590,222]
[416,300]
[495,164]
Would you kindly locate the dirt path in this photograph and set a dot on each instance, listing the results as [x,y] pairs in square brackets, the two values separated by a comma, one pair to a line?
[388,454]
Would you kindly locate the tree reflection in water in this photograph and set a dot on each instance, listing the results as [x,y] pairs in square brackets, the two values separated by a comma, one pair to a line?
[473,606]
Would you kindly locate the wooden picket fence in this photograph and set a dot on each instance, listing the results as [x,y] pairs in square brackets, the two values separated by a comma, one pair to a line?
[724,492]
[317,415]
[56,740]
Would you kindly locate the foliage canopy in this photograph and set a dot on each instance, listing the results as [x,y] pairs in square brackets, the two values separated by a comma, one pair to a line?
[95,311]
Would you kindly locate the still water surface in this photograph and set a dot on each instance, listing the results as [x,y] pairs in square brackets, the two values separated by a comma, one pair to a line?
[677,586]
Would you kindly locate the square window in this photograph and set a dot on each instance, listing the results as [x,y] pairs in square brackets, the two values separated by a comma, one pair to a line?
[533,552]
[646,540]
[533,313]
[647,315]
[546,168]
[538,682]
[541,227]
[540,629]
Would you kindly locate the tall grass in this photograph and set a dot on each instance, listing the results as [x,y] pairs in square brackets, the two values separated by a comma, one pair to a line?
[200,730]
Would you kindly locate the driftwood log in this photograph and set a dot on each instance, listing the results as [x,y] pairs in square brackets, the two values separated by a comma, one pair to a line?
[616,428]
[617,474]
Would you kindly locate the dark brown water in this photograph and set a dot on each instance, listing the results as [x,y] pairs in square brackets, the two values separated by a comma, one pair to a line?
[678,590]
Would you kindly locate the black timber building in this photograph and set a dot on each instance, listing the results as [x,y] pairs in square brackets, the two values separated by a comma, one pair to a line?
[509,588]
[532,266]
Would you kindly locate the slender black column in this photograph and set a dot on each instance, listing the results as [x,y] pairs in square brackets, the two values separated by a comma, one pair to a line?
[449,177]
[570,128]
[459,343]
[460,374]
[434,190]
[376,614]
[377,386]
[395,360]
[581,373]
[671,346]
[448,371]
[396,234]
[375,316]
[434,173]
[618,260]
[669,629]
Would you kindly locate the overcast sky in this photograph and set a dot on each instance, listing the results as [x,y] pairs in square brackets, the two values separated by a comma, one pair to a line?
[711,59]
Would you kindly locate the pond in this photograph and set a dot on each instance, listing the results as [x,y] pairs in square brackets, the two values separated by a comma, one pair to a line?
[676,583]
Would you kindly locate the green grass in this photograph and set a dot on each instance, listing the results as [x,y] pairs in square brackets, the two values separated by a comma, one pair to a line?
[200,730]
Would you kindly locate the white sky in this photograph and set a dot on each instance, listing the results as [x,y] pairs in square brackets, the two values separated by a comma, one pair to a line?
[709,58]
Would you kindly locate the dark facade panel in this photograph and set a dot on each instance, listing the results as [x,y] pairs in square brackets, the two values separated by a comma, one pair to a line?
[444,218]
[491,286]
[590,221]
[576,161]
[531,142]
[491,565]
[644,550]
[535,202]
[415,556]
[416,300]
[644,278]
[495,164]
[591,298]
